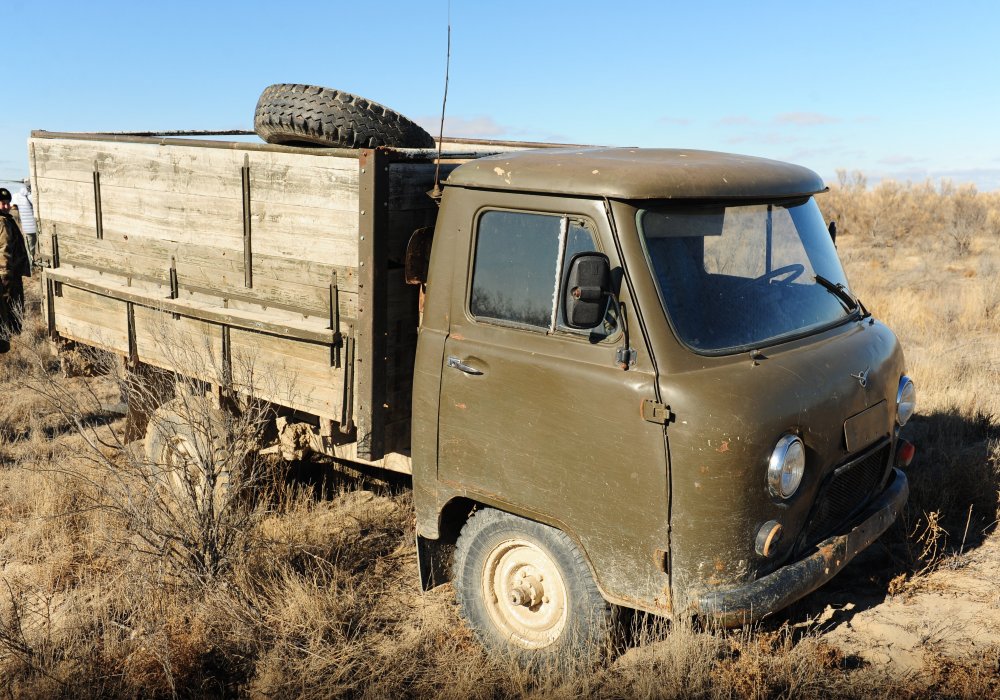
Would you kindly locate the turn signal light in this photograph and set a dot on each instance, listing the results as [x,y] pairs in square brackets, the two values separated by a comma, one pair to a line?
[904,453]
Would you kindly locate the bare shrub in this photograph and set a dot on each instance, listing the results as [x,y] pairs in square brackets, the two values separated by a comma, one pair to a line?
[891,212]
[184,499]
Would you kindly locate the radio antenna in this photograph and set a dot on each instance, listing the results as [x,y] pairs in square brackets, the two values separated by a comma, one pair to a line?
[436,192]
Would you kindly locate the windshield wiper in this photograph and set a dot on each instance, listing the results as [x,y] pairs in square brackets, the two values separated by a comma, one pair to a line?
[851,302]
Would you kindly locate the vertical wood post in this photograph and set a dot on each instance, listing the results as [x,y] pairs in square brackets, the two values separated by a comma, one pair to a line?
[227,358]
[247,213]
[370,350]
[175,288]
[133,346]
[337,341]
[50,311]
[98,214]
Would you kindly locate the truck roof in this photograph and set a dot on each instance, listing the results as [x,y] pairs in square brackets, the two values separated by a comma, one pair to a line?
[638,173]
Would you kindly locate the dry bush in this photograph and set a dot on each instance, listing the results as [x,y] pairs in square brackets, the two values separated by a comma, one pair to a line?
[188,504]
[892,212]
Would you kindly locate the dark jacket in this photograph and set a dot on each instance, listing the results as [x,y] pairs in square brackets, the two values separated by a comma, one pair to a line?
[14,261]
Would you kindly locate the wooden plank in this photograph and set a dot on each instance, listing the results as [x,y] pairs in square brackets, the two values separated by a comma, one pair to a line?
[287,372]
[212,260]
[205,269]
[269,322]
[370,332]
[291,179]
[127,211]
[91,319]
[67,202]
[295,180]
[172,169]
[323,235]
[191,347]
[312,272]
[348,307]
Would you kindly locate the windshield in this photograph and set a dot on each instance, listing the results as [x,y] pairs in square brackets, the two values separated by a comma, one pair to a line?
[743,276]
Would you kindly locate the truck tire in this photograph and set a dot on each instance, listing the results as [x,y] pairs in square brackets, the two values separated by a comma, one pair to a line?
[186,446]
[526,589]
[307,115]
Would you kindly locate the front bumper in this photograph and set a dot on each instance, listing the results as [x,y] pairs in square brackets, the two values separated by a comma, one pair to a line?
[746,604]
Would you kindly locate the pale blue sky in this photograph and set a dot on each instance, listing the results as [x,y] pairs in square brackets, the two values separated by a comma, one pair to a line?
[895,89]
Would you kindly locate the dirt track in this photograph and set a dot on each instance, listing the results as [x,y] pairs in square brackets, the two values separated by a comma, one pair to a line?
[953,614]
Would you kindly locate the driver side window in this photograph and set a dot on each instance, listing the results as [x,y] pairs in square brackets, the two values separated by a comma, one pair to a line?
[521,259]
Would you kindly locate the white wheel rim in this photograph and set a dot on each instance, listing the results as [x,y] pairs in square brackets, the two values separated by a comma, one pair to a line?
[181,459]
[518,570]
[186,473]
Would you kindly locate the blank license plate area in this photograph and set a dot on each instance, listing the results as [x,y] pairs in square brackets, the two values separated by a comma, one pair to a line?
[863,429]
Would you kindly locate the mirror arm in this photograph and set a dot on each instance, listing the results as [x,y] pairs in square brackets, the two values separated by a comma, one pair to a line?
[624,356]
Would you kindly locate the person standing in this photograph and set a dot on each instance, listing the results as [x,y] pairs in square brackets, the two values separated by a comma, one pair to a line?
[14,264]
[22,200]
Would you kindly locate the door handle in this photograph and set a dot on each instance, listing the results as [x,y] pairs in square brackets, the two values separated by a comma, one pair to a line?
[462,367]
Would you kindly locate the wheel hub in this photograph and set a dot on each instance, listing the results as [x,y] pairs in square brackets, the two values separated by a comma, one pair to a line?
[529,594]
[525,594]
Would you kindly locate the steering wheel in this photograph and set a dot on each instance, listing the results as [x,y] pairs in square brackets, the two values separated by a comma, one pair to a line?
[794,271]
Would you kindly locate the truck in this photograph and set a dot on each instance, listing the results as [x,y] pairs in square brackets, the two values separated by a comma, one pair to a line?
[618,378]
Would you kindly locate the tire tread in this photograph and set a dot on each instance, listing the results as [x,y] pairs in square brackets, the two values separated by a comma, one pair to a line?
[294,114]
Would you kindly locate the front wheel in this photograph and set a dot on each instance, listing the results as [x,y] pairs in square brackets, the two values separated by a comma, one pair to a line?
[526,587]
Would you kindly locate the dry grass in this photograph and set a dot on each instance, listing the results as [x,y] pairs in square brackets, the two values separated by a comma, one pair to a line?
[319,596]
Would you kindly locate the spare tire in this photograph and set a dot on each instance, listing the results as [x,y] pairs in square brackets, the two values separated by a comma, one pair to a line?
[307,115]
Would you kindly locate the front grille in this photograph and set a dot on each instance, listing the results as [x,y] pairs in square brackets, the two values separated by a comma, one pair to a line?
[845,492]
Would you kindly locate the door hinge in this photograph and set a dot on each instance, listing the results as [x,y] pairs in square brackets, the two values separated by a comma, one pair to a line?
[656,412]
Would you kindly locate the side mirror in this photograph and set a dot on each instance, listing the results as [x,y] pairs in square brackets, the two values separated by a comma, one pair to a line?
[418,256]
[588,285]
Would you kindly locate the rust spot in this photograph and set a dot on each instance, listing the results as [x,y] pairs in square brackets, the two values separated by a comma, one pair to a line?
[457,336]
[664,601]
[724,447]
[460,406]
[826,553]
[703,469]
[720,565]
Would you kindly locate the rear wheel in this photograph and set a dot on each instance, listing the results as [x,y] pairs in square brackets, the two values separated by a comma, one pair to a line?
[186,444]
[525,587]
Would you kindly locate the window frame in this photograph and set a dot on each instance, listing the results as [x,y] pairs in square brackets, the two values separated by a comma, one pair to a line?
[555,327]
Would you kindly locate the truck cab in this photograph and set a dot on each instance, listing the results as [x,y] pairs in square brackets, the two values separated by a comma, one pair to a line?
[642,381]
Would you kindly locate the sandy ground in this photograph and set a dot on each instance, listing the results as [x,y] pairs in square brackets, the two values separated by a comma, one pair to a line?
[951,614]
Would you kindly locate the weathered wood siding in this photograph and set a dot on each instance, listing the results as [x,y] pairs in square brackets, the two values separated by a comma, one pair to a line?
[164,205]
[151,254]
[181,207]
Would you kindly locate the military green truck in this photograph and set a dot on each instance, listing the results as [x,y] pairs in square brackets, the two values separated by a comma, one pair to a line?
[620,378]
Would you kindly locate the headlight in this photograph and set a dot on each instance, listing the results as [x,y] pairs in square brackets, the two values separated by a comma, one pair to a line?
[906,400]
[786,466]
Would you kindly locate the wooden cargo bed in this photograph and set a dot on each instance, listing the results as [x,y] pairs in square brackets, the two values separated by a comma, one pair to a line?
[273,266]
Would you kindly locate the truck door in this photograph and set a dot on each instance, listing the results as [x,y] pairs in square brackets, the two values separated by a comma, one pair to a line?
[541,420]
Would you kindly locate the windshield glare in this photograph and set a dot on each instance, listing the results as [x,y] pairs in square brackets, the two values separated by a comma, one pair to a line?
[743,276]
